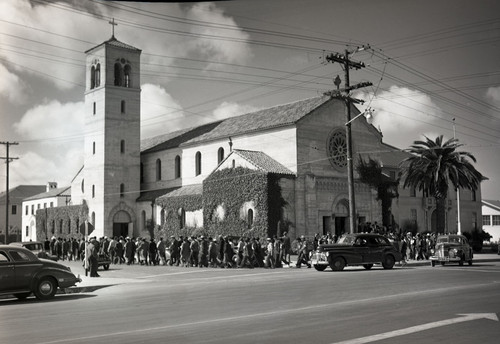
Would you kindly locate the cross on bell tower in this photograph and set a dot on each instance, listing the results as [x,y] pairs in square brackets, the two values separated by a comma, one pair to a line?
[113,24]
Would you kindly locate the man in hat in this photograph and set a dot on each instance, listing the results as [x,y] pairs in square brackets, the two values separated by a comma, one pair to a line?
[175,251]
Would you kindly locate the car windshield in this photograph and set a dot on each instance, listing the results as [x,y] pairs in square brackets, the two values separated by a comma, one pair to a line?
[452,239]
[346,240]
[37,247]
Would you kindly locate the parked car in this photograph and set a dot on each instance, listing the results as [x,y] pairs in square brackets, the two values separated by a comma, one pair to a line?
[452,248]
[23,273]
[356,249]
[37,248]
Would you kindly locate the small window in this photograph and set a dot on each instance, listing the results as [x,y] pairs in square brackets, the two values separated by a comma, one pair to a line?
[83,185]
[93,191]
[27,231]
[220,155]
[32,209]
[177,166]
[122,146]
[93,147]
[496,220]
[92,77]
[486,220]
[182,219]
[27,210]
[14,209]
[60,226]
[94,108]
[158,169]
[473,195]
[98,75]
[51,204]
[250,218]
[413,192]
[162,217]
[122,190]
[127,73]
[142,173]
[69,226]
[123,106]
[198,163]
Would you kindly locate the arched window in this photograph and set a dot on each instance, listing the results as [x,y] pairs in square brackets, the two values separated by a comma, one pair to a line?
[143,220]
[127,74]
[162,217]
[53,229]
[198,163]
[60,226]
[182,218]
[220,155]
[98,75]
[141,178]
[122,190]
[92,77]
[177,166]
[94,108]
[93,191]
[83,185]
[158,169]
[118,74]
[69,226]
[250,218]
[122,146]
[77,225]
[122,106]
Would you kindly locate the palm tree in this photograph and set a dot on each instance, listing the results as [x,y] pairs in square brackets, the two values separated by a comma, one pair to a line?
[434,166]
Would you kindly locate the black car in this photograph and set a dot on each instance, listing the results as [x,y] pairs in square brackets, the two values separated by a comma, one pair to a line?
[356,249]
[37,248]
[23,273]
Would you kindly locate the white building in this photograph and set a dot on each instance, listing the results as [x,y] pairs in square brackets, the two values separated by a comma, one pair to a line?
[491,218]
[52,197]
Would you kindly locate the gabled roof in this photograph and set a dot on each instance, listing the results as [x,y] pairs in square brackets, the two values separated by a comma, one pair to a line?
[274,117]
[116,43]
[23,191]
[56,192]
[392,156]
[262,161]
[491,203]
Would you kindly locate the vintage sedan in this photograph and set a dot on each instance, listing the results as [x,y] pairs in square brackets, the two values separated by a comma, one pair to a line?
[452,248]
[37,248]
[23,273]
[356,249]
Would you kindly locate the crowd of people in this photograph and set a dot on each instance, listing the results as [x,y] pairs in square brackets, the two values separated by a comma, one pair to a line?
[220,251]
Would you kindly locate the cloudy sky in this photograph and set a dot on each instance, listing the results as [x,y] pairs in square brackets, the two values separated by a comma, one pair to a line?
[430,61]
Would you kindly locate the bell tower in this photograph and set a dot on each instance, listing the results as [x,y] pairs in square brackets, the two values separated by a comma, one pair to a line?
[111,169]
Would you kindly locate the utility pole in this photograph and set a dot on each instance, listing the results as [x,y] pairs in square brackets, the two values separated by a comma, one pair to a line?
[459,224]
[347,64]
[7,160]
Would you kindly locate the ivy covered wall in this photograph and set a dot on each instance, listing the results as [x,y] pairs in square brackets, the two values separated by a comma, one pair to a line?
[61,222]
[172,213]
[237,189]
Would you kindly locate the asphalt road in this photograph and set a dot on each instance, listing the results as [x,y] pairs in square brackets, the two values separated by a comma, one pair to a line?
[448,304]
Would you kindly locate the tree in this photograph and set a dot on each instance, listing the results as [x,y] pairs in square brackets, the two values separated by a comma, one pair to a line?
[434,166]
[370,173]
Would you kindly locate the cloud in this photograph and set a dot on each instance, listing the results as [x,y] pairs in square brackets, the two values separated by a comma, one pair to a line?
[400,111]
[11,87]
[215,43]
[230,109]
[53,122]
[493,93]
[160,113]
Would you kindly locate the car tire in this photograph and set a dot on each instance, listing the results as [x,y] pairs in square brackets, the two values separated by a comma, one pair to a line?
[319,267]
[22,296]
[388,262]
[46,288]
[461,262]
[433,263]
[337,264]
[367,266]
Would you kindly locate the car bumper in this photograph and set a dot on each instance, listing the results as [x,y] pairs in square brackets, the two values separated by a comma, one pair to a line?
[319,259]
[445,259]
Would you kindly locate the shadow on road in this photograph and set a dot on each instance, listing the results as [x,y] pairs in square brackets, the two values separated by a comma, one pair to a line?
[33,300]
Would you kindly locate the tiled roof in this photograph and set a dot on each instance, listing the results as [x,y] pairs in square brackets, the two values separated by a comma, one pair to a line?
[491,203]
[186,190]
[114,42]
[262,161]
[392,156]
[23,191]
[273,117]
[56,192]
[151,195]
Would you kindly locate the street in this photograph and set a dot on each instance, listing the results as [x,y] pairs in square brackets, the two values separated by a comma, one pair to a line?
[414,304]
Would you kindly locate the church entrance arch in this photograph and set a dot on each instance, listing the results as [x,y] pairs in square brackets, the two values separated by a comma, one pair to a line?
[341,217]
[121,222]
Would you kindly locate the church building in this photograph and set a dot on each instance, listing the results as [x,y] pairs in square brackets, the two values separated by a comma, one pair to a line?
[278,169]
